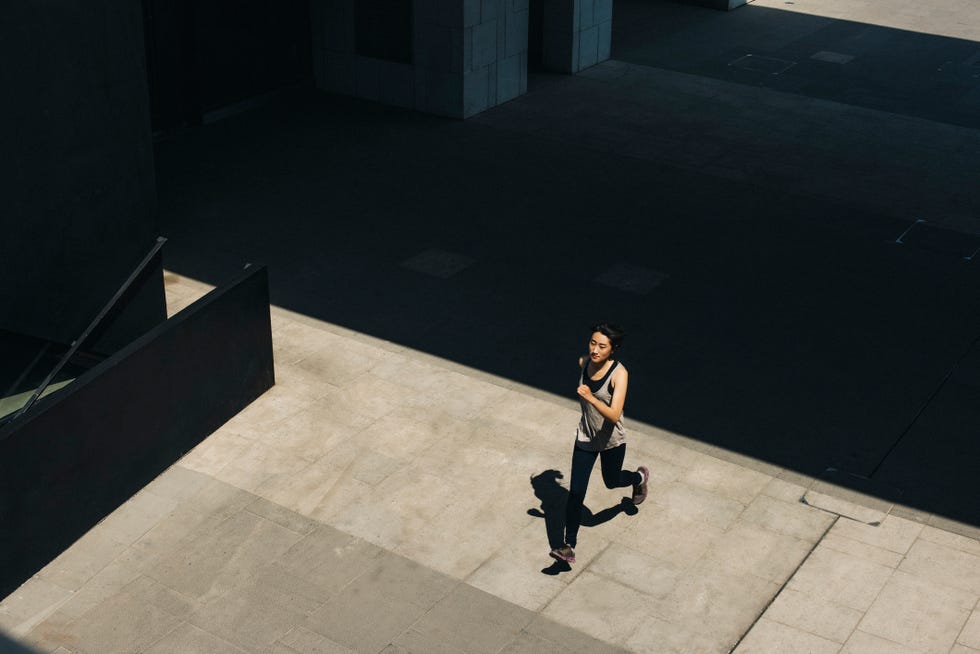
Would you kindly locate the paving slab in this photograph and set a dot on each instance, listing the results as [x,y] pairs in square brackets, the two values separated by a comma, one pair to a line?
[853,590]
[770,637]
[970,635]
[922,614]
[806,613]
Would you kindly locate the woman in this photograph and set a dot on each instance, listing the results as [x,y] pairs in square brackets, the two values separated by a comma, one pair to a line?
[600,433]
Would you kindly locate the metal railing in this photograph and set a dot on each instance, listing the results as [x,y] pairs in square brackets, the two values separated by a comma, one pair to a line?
[77,343]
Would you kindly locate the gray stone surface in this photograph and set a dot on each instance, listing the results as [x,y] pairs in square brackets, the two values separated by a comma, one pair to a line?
[189,639]
[919,613]
[876,605]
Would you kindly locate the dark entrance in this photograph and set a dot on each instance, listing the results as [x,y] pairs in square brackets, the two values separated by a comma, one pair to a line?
[535,35]
[202,56]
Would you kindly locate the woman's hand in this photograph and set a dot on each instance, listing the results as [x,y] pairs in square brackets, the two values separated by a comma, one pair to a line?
[586,393]
[614,410]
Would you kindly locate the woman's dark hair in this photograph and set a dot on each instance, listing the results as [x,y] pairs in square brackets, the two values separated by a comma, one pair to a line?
[614,333]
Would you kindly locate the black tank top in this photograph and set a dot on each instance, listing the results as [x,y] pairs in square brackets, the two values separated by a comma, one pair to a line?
[595,385]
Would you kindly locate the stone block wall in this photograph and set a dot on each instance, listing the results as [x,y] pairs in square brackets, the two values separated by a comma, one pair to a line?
[339,69]
[494,53]
[577,34]
[467,56]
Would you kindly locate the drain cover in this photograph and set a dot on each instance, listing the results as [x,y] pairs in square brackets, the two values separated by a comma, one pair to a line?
[761,64]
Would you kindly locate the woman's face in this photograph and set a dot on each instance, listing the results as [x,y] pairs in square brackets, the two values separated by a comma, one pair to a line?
[600,348]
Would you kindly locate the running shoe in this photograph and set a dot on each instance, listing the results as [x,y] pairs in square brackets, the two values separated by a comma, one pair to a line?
[640,490]
[564,553]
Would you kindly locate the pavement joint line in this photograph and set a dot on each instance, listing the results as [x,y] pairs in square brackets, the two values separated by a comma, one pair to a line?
[586,567]
[962,629]
[905,233]
[779,592]
[877,595]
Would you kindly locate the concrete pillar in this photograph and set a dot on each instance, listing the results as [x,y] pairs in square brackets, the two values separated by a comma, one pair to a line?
[466,56]
[577,34]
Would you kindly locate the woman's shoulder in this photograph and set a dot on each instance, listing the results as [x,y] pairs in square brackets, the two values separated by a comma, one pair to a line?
[620,372]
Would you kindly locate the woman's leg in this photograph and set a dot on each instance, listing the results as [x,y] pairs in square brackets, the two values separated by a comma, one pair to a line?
[582,463]
[613,475]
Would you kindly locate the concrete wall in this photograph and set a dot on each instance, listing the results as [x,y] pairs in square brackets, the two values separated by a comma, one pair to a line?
[467,56]
[77,167]
[83,451]
[577,34]
[494,53]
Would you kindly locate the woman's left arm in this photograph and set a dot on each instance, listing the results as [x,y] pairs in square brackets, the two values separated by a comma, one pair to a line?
[614,410]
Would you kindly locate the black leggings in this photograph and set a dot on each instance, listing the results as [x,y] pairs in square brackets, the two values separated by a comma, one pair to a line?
[613,476]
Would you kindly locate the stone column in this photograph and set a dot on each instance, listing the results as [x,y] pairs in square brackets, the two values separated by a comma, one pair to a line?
[577,34]
[467,56]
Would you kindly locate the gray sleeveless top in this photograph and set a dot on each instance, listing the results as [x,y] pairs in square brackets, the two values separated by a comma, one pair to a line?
[594,432]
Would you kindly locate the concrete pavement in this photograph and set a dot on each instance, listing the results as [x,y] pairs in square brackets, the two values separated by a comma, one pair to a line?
[378,499]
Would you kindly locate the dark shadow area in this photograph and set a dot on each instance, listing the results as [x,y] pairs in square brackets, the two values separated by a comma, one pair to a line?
[11,646]
[907,72]
[204,56]
[78,179]
[556,568]
[553,497]
[764,315]
[77,455]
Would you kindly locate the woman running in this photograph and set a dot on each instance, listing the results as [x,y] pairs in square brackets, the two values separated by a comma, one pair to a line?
[600,433]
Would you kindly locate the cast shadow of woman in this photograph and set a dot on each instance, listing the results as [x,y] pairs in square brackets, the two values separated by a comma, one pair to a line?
[553,497]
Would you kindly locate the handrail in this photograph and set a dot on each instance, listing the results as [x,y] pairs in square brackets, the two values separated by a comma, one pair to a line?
[77,343]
